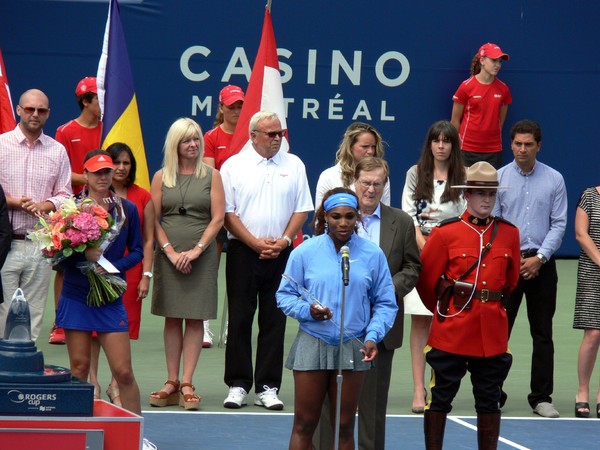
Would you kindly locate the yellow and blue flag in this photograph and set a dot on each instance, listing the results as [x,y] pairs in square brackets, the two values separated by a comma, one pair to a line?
[116,94]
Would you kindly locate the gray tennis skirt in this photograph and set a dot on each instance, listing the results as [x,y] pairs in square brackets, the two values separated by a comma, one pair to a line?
[311,353]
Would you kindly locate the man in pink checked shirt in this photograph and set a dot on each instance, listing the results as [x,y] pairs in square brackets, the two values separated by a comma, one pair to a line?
[36,177]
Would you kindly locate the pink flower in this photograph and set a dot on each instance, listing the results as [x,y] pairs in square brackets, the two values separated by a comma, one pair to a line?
[87,224]
[76,237]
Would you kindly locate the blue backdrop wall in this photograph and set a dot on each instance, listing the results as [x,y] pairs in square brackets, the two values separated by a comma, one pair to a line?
[394,64]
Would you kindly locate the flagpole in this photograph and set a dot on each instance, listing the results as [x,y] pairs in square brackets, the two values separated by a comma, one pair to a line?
[269,4]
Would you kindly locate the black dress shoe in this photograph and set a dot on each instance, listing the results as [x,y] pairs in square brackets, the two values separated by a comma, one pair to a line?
[582,406]
[503,398]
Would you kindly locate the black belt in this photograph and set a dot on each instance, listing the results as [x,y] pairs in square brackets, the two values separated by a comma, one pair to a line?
[528,253]
[18,237]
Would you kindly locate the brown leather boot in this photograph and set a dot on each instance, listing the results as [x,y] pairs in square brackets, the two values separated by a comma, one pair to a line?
[488,431]
[434,426]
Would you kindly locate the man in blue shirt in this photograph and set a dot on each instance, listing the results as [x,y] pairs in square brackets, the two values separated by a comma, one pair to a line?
[537,204]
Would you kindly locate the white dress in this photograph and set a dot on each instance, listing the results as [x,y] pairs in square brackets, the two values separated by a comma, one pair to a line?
[426,215]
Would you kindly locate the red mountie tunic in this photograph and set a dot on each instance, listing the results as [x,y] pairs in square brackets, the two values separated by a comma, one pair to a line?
[140,197]
[216,145]
[480,125]
[451,249]
[78,140]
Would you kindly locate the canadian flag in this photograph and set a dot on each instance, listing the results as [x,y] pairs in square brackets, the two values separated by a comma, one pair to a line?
[7,112]
[264,91]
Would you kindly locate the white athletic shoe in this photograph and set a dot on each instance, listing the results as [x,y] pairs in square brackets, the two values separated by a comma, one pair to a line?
[268,398]
[147,445]
[237,398]
[207,341]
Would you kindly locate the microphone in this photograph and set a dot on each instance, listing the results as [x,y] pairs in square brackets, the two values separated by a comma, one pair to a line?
[345,264]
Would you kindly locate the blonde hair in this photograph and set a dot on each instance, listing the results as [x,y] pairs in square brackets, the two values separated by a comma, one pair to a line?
[183,128]
[344,152]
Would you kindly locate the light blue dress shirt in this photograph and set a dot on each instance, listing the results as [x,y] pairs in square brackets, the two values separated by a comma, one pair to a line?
[371,226]
[536,202]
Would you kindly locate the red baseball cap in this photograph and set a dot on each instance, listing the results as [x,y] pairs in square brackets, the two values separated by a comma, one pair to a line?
[88,84]
[99,162]
[492,51]
[231,94]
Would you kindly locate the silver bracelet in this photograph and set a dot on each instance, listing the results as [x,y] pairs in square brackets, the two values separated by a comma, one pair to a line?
[200,245]
[287,239]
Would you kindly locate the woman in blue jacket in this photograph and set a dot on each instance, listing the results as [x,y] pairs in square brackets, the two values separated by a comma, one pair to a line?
[369,312]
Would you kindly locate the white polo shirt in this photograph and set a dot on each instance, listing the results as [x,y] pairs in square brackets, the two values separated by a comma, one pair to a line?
[264,193]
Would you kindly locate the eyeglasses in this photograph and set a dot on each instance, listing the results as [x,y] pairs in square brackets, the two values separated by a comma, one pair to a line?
[271,134]
[32,110]
[368,184]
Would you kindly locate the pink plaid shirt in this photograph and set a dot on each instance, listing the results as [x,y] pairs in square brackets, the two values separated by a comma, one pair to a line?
[42,172]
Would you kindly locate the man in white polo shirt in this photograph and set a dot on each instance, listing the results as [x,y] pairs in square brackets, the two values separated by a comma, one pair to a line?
[267,202]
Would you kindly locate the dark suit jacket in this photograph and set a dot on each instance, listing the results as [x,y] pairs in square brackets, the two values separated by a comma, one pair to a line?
[398,242]
[5,234]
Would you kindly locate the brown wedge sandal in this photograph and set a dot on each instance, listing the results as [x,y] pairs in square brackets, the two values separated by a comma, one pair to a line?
[165,398]
[190,402]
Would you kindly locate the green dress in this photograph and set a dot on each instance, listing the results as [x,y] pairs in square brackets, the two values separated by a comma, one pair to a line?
[174,294]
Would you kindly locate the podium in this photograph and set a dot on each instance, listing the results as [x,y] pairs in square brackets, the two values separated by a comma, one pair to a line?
[110,428]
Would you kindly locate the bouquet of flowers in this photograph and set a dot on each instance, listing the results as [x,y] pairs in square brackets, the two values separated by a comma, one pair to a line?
[74,227]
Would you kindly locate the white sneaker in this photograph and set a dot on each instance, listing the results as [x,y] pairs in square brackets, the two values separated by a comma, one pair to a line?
[236,398]
[546,409]
[268,398]
[207,341]
[147,445]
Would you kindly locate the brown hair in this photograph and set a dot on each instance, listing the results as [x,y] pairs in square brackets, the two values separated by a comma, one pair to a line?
[425,165]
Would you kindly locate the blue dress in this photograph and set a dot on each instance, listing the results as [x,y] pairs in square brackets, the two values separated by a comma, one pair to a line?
[73,312]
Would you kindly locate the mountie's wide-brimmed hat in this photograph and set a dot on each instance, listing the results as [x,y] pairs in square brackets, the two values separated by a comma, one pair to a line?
[481,175]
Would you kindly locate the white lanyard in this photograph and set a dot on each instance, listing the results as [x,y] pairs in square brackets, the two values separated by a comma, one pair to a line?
[481,247]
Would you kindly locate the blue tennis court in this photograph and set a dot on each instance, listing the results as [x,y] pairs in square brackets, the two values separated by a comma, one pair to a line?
[262,431]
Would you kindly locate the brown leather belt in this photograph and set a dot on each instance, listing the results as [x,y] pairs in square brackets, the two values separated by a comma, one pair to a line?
[486,295]
[18,237]
[461,298]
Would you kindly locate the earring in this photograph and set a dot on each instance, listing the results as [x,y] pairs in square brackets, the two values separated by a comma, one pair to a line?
[326,225]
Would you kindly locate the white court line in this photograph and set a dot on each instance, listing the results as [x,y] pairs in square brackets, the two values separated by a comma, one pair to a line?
[474,428]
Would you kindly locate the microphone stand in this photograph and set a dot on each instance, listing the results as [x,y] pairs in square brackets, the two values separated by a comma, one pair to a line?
[340,378]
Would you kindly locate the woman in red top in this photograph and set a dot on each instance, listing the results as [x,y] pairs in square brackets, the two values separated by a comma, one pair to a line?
[480,106]
[217,140]
[217,151]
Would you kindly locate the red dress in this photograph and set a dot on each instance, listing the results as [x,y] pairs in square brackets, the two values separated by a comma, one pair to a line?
[140,197]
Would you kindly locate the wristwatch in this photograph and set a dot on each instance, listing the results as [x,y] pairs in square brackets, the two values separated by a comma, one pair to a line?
[542,258]
[147,274]
[287,239]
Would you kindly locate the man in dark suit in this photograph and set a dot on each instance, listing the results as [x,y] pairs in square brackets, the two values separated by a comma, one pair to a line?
[393,230]
[5,235]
